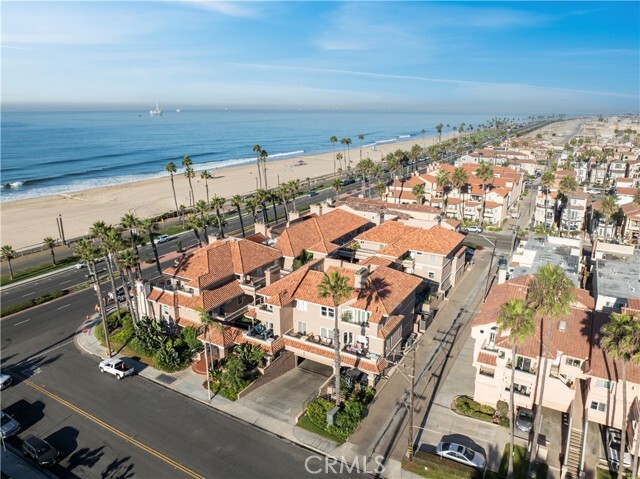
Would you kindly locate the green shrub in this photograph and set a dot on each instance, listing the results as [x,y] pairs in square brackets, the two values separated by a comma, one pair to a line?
[150,335]
[503,409]
[16,308]
[317,411]
[168,359]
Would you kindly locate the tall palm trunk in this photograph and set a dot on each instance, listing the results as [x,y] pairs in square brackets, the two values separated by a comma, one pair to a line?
[134,298]
[512,408]
[275,212]
[625,413]
[134,244]
[155,251]
[484,200]
[240,218]
[264,171]
[538,418]
[113,286]
[546,200]
[206,360]
[175,198]
[265,213]
[220,226]
[286,210]
[127,296]
[336,347]
[259,175]
[92,271]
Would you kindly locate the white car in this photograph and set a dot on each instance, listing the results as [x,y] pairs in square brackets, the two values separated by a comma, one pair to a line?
[8,425]
[473,229]
[462,454]
[80,265]
[161,239]
[117,367]
[613,448]
[5,381]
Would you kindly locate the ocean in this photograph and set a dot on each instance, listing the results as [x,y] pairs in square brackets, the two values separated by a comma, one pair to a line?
[47,153]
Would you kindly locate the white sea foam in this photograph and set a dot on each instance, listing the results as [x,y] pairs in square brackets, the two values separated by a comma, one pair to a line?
[13,185]
[13,193]
[404,136]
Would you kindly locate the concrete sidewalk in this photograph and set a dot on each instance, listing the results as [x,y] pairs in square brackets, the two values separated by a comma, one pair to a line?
[190,384]
[384,430]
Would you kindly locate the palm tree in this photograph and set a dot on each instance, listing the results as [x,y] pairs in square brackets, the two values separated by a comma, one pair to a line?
[207,321]
[294,188]
[282,193]
[50,243]
[129,262]
[88,254]
[262,196]
[515,320]
[550,294]
[568,185]
[189,174]
[380,189]
[251,203]
[617,341]
[263,159]
[337,187]
[236,200]
[333,141]
[150,226]
[258,150]
[171,169]
[636,197]
[131,222]
[206,176]
[361,138]
[336,287]
[8,253]
[218,203]
[339,158]
[484,173]
[419,192]
[202,208]
[442,180]
[439,131]
[546,181]
[195,223]
[100,230]
[113,244]
[460,179]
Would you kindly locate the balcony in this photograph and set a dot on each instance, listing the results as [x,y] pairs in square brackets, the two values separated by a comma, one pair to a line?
[354,350]
[533,371]
[347,317]
[489,372]
[253,284]
[520,390]
[174,288]
[231,315]
[260,333]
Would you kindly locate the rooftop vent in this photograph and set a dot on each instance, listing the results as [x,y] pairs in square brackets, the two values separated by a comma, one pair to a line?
[562,325]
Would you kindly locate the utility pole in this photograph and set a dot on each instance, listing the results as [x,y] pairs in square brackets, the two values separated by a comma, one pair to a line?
[411,398]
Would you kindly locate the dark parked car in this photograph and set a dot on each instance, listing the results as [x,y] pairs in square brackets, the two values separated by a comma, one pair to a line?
[40,451]
[524,421]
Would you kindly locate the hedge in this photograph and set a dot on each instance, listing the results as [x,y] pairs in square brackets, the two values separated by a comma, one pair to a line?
[16,308]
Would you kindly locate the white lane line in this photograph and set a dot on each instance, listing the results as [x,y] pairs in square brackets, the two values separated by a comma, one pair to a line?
[65,306]
[65,282]
[28,294]
[51,349]
[21,322]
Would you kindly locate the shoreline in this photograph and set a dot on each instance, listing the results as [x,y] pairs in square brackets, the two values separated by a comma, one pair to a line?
[25,222]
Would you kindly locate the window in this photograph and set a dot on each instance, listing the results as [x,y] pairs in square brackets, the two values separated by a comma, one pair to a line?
[327,312]
[601,383]
[433,259]
[301,305]
[326,333]
[302,327]
[431,275]
[573,362]
[524,364]
[361,316]
[598,406]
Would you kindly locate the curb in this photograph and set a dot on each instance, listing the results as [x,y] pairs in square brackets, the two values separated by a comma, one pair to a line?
[36,278]
[90,324]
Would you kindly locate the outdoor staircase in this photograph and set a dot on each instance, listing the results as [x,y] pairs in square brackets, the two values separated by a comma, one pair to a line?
[573,458]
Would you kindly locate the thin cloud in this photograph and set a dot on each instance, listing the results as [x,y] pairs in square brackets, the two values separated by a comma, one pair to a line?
[432,80]
[231,9]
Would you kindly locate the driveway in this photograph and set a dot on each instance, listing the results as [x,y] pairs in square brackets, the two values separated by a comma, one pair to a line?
[442,422]
[285,397]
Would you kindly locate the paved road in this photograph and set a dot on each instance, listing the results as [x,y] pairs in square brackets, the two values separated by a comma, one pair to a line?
[94,419]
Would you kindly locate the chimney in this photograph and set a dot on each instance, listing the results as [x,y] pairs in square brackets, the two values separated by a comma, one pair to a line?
[361,278]
[317,209]
[272,275]
[262,228]
[502,274]
[562,325]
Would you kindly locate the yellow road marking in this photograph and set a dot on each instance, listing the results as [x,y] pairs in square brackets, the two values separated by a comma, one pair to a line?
[117,432]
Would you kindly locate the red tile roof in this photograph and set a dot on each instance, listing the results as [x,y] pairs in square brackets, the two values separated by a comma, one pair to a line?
[400,238]
[323,229]
[222,259]
[488,359]
[229,336]
[390,325]
[207,300]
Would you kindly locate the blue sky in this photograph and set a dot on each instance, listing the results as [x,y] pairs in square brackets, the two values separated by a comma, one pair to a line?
[574,57]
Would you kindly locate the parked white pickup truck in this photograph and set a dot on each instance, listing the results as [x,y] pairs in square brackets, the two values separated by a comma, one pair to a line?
[117,367]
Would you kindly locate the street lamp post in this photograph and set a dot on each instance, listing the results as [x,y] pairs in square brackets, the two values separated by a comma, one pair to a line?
[493,253]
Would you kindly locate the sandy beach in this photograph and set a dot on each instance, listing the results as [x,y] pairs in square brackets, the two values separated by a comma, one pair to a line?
[25,223]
